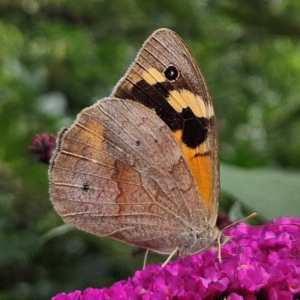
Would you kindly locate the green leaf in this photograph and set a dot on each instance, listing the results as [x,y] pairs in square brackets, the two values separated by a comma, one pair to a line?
[270,193]
[57,231]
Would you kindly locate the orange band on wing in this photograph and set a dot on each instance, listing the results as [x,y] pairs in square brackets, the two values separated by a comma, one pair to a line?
[199,162]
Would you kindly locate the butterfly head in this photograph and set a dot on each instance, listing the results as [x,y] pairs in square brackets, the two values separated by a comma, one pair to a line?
[200,239]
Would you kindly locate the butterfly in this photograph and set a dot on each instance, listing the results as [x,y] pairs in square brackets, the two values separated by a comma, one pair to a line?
[142,166]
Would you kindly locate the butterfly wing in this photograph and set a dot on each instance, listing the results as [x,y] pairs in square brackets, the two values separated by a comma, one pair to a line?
[165,77]
[118,172]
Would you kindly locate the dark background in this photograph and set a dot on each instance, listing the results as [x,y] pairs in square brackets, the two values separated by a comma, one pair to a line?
[59,56]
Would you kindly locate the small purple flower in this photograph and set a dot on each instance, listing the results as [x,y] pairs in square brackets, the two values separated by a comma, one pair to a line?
[223,221]
[43,146]
[71,296]
[258,262]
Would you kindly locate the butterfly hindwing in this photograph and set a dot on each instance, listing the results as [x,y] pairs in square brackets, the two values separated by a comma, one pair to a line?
[118,172]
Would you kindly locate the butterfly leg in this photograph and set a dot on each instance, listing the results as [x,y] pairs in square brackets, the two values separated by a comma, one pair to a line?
[170,257]
[145,259]
[221,242]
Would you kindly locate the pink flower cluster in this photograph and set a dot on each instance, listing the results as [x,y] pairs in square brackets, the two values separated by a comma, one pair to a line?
[257,263]
[43,146]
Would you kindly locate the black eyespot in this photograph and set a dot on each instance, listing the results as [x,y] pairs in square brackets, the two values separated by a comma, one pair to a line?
[138,143]
[197,235]
[171,73]
[86,187]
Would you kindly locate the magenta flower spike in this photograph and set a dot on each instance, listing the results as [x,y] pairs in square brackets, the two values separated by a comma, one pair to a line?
[257,263]
[43,146]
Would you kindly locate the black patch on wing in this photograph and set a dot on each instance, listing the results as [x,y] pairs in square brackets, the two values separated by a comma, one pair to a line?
[194,129]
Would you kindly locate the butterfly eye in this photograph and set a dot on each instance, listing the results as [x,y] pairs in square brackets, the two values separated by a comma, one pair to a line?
[171,73]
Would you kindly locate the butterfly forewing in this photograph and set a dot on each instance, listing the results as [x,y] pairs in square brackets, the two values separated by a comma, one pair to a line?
[166,78]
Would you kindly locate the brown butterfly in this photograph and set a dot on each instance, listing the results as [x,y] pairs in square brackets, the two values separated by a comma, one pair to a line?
[142,166]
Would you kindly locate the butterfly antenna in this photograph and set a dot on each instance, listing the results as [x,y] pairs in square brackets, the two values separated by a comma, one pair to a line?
[239,221]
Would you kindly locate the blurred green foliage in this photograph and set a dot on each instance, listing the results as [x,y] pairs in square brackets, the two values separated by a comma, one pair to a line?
[59,56]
